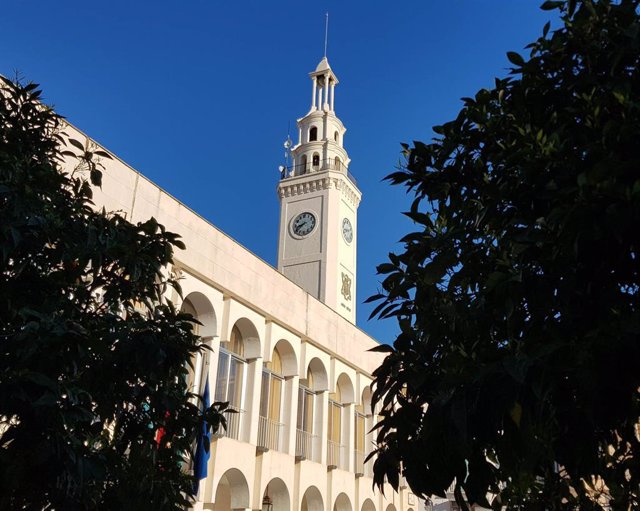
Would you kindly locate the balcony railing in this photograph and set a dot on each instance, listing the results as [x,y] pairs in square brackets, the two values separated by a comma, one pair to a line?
[234,421]
[309,167]
[304,445]
[362,468]
[337,455]
[359,462]
[269,434]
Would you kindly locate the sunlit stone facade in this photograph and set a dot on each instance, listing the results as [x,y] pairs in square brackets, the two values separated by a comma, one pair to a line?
[285,352]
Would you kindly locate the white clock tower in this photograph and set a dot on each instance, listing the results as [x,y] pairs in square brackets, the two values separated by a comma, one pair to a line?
[319,203]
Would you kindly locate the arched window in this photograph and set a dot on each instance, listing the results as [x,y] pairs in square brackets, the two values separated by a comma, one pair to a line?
[230,379]
[335,136]
[316,160]
[303,166]
[194,376]
[338,163]
[313,134]
[270,425]
[306,404]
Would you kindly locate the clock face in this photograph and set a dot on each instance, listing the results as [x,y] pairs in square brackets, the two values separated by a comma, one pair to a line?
[303,224]
[347,230]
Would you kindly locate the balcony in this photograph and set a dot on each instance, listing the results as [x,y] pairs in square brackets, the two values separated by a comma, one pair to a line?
[269,434]
[234,420]
[362,468]
[304,446]
[308,168]
[337,455]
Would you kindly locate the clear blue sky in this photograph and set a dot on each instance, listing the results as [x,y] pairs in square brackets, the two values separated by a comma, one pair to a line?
[197,95]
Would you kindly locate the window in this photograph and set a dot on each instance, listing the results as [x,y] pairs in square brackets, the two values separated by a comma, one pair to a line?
[313,134]
[304,164]
[306,447]
[306,402]
[335,136]
[270,427]
[337,163]
[230,379]
[316,160]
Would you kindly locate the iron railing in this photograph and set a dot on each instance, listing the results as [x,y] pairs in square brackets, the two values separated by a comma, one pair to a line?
[359,462]
[234,421]
[304,445]
[269,433]
[337,455]
[365,469]
[309,167]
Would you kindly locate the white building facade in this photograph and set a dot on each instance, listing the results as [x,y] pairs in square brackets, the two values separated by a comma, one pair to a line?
[285,351]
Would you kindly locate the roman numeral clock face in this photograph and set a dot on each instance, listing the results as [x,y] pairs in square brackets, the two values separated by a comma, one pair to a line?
[303,224]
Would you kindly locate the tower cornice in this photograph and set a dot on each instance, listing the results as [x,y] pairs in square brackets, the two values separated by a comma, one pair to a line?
[309,183]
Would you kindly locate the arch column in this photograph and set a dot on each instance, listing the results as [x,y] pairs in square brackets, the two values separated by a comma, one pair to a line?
[322,425]
[254,390]
[349,434]
[290,415]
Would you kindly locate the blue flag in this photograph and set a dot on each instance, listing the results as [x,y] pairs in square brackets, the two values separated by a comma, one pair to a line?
[201,459]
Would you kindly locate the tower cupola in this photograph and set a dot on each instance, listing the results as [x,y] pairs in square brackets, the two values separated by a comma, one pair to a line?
[319,201]
[320,132]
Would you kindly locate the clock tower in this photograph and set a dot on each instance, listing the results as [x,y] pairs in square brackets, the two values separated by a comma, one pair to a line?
[319,201]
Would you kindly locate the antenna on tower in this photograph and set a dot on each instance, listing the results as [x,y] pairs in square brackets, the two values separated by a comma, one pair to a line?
[288,144]
[326,33]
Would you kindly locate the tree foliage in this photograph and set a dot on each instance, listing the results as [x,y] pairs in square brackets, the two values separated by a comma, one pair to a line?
[517,370]
[93,359]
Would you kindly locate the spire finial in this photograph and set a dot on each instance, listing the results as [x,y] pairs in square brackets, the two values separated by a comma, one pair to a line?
[326,33]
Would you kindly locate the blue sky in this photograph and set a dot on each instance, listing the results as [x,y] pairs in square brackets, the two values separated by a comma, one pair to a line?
[197,95]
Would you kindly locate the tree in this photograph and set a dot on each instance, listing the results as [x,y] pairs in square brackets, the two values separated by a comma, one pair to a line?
[516,372]
[93,359]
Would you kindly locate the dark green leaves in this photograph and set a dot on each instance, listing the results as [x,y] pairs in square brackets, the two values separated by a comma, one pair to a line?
[550,5]
[515,58]
[517,292]
[86,377]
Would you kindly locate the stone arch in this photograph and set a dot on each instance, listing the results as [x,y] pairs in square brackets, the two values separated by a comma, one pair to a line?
[278,492]
[288,356]
[312,500]
[313,133]
[232,491]
[368,505]
[199,306]
[204,312]
[315,160]
[250,338]
[347,394]
[319,374]
[409,509]
[342,503]
[391,507]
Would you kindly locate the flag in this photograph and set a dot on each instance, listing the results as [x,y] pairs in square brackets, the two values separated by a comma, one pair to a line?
[201,459]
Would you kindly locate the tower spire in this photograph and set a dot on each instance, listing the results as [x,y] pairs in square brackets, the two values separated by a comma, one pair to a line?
[326,33]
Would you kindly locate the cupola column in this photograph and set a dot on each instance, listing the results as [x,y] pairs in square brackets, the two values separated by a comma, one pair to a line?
[313,95]
[326,91]
[333,88]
